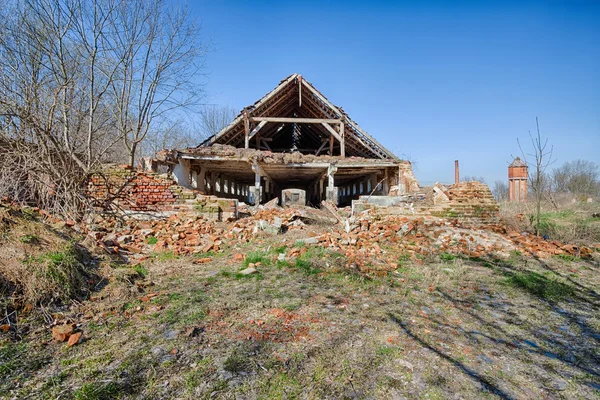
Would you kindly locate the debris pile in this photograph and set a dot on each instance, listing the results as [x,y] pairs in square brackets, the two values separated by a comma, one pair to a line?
[132,238]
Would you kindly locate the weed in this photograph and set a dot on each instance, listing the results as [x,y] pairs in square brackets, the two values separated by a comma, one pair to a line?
[257,257]
[152,240]
[164,256]
[140,270]
[384,351]
[96,391]
[447,257]
[567,257]
[306,266]
[238,361]
[403,259]
[29,239]
[280,249]
[291,306]
[226,274]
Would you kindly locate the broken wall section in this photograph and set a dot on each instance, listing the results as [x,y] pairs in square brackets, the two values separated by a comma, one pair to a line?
[123,189]
[471,203]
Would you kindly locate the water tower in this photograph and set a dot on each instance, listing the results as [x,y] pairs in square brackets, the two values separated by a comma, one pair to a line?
[517,180]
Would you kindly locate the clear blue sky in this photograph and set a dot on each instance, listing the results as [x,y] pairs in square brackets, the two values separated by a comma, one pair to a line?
[432,81]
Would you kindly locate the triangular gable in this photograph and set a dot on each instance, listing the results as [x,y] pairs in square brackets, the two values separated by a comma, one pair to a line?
[296,98]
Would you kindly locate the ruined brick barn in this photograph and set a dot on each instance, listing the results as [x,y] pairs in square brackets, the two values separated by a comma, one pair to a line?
[292,138]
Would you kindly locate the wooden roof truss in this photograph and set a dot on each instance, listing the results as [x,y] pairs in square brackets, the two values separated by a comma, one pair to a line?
[296,117]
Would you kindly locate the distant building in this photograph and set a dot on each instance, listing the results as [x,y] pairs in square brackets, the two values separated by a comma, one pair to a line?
[517,181]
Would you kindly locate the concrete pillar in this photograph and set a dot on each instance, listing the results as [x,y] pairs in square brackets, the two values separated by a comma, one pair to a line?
[386,183]
[332,194]
[256,190]
[181,173]
[267,190]
[201,178]
[213,183]
[321,185]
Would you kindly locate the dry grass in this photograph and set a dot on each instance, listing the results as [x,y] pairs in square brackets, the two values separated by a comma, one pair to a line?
[310,327]
[39,265]
[570,222]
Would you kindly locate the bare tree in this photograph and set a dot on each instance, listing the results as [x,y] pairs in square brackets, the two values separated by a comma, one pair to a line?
[213,118]
[472,178]
[541,158]
[162,54]
[579,177]
[79,77]
[168,136]
[500,190]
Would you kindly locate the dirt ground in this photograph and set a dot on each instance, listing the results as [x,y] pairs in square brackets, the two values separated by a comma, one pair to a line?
[307,325]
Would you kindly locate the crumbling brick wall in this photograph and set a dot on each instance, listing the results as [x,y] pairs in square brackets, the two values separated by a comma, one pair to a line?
[469,202]
[407,177]
[127,189]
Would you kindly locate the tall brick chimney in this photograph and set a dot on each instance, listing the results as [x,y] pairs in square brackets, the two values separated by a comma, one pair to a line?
[517,181]
[456,174]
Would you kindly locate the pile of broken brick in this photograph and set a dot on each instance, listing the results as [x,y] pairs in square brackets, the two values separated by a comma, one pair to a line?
[370,241]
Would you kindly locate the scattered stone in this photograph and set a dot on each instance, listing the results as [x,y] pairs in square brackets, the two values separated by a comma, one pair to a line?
[61,333]
[559,384]
[171,334]
[248,271]
[75,338]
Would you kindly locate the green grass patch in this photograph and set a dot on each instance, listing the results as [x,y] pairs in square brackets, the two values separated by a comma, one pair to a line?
[447,257]
[567,257]
[164,256]
[258,257]
[547,288]
[29,239]
[152,240]
[143,272]
[97,391]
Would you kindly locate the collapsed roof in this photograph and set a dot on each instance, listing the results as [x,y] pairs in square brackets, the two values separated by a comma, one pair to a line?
[296,117]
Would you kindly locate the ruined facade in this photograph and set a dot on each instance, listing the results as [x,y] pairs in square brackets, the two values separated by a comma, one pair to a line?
[292,138]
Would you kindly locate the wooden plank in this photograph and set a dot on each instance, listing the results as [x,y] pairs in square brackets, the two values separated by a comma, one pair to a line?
[342,142]
[297,120]
[331,145]
[255,130]
[246,130]
[332,131]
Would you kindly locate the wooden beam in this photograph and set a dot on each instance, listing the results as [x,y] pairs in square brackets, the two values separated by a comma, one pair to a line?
[256,129]
[331,145]
[322,146]
[332,131]
[297,120]
[342,142]
[260,171]
[264,142]
[246,129]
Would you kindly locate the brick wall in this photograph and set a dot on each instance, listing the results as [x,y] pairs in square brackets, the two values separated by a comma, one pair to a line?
[469,202]
[126,189]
